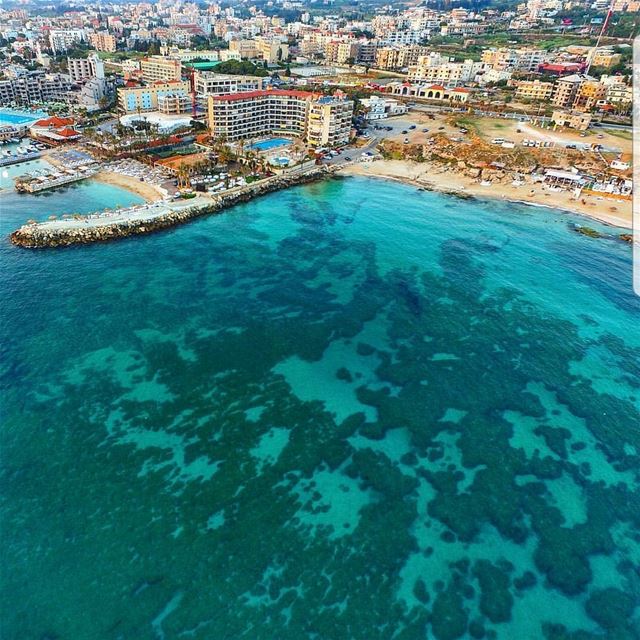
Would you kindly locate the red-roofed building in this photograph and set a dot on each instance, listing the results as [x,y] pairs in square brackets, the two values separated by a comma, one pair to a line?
[68,133]
[428,91]
[53,122]
[562,68]
[54,130]
[321,120]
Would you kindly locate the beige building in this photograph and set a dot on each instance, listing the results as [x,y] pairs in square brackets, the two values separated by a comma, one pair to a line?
[141,99]
[565,90]
[399,57]
[448,73]
[605,58]
[320,120]
[580,121]
[590,94]
[103,41]
[272,51]
[247,49]
[159,68]
[174,103]
[534,90]
[329,121]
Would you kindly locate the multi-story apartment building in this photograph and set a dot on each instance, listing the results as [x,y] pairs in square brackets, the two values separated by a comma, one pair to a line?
[257,113]
[329,121]
[141,99]
[209,83]
[160,68]
[367,52]
[271,50]
[174,103]
[403,37]
[505,59]
[604,58]
[590,94]
[34,87]
[247,49]
[618,92]
[533,90]
[81,69]
[566,89]
[399,57]
[60,40]
[103,41]
[448,73]
[321,120]
[347,52]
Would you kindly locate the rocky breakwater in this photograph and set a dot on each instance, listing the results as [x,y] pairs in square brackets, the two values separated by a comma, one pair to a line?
[62,233]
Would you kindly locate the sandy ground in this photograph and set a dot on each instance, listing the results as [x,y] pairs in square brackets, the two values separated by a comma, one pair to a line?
[148,191]
[613,212]
[490,128]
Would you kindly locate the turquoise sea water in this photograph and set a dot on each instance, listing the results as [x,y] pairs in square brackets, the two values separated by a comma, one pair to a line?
[347,410]
[80,197]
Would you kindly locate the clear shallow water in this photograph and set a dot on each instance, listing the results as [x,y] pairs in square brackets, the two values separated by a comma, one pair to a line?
[80,197]
[348,410]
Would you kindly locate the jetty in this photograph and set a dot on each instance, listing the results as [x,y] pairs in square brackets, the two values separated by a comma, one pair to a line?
[39,181]
[143,219]
[5,161]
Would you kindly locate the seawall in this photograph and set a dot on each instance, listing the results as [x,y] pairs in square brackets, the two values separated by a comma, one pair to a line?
[56,234]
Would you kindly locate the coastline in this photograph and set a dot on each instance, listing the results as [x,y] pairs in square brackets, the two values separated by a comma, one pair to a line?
[434,178]
[146,190]
[149,218]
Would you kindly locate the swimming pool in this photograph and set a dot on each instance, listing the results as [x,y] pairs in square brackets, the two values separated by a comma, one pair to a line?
[19,117]
[280,161]
[271,143]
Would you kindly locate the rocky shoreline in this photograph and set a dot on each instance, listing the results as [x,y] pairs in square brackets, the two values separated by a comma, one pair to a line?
[41,236]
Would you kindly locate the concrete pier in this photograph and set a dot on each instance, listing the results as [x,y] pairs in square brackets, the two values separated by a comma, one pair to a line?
[151,217]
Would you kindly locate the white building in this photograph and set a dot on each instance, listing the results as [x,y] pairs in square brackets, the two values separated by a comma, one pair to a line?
[62,39]
[378,108]
[81,69]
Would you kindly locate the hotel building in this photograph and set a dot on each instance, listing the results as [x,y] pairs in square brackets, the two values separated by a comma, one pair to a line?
[320,120]
[141,99]
[159,68]
[209,83]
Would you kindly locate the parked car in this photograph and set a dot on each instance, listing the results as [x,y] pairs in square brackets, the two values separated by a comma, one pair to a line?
[404,132]
[425,130]
[413,126]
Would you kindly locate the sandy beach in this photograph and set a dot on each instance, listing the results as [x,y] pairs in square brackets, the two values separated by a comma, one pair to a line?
[435,177]
[146,190]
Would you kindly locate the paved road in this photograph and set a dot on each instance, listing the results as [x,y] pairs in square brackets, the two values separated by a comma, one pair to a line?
[355,154]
